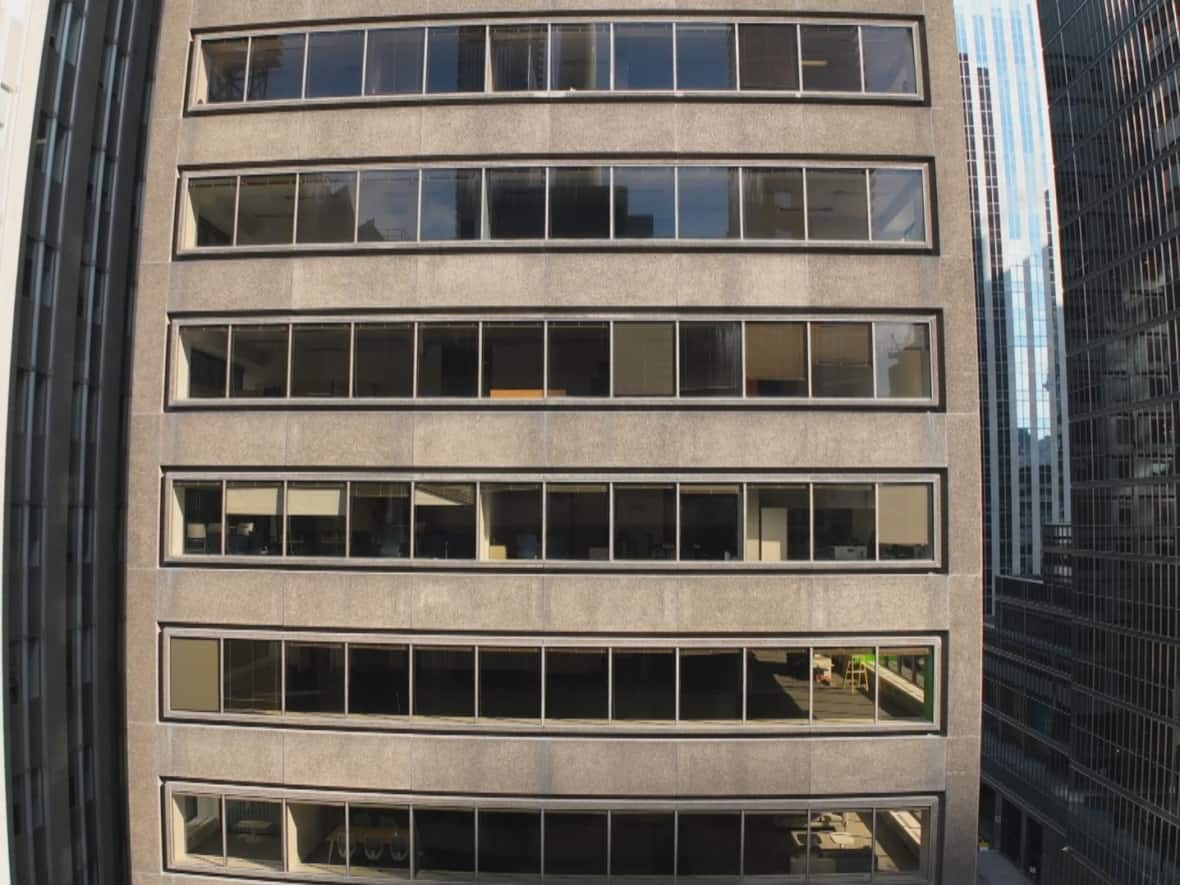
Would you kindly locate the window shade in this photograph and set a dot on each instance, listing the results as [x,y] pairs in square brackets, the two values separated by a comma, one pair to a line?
[252,500]
[316,501]
[905,514]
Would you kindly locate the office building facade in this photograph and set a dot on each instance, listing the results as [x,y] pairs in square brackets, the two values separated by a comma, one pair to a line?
[554,446]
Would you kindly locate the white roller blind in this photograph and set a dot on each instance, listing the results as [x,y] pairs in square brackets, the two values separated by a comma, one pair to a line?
[318,501]
[252,500]
[905,514]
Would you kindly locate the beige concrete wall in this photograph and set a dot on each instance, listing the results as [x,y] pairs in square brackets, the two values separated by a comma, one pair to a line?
[667,604]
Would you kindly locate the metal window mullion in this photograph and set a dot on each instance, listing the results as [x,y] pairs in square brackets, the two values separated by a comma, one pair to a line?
[741,176]
[479,331]
[544,391]
[806,209]
[418,213]
[799,53]
[413,545]
[544,669]
[410,839]
[290,357]
[741,845]
[485,223]
[743,331]
[347,554]
[352,360]
[876,684]
[224,833]
[676,682]
[249,71]
[610,684]
[237,204]
[476,839]
[295,209]
[224,515]
[488,87]
[229,356]
[743,529]
[808,358]
[869,204]
[365,64]
[548,88]
[425,57]
[285,516]
[676,202]
[356,207]
[411,695]
[676,520]
[611,45]
[877,521]
[745,684]
[610,180]
[675,843]
[220,676]
[873,356]
[811,518]
[610,520]
[676,358]
[475,655]
[675,57]
[347,838]
[811,685]
[283,676]
[860,46]
[416,332]
[544,535]
[737,57]
[547,233]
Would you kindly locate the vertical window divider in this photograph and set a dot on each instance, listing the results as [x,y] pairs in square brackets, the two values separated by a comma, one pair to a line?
[810,685]
[869,204]
[356,206]
[410,839]
[676,519]
[364,67]
[610,683]
[676,357]
[283,676]
[303,85]
[290,358]
[675,57]
[542,843]
[544,656]
[220,676]
[348,829]
[876,684]
[676,202]
[610,347]
[478,363]
[221,807]
[877,521]
[413,544]
[411,699]
[347,655]
[549,88]
[347,553]
[485,232]
[743,515]
[808,355]
[544,371]
[237,204]
[741,173]
[610,182]
[548,179]
[806,211]
[745,684]
[860,49]
[249,65]
[295,210]
[425,57]
[229,355]
[544,538]
[224,518]
[676,683]
[610,520]
[284,516]
[675,844]
[737,56]
[873,357]
[611,44]
[415,332]
[352,360]
[475,655]
[487,60]
[744,394]
[479,552]
[799,60]
[811,520]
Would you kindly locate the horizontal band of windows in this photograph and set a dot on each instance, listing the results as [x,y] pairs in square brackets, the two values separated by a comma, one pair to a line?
[786,520]
[342,837]
[775,57]
[584,205]
[512,360]
[263,676]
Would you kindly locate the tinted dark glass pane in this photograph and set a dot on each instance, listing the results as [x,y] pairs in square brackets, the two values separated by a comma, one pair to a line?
[276,67]
[253,519]
[776,844]
[579,359]
[319,360]
[382,839]
[773,204]
[334,62]
[252,675]
[704,56]
[845,522]
[315,678]
[444,521]
[448,359]
[578,522]
[455,60]
[770,57]
[516,204]
[645,359]
[575,843]
[831,58]
[200,507]
[388,211]
[380,519]
[709,523]
[312,829]
[510,683]
[581,57]
[378,680]
[899,205]
[327,207]
[444,682]
[510,843]
[709,203]
[258,366]
[394,64]
[710,359]
[266,210]
[645,202]
[889,59]
[841,359]
[212,201]
[518,58]
[709,845]
[579,203]
[645,522]
[576,683]
[225,69]
[383,360]
[778,683]
[513,360]
[844,843]
[643,56]
[444,840]
[710,684]
[644,684]
[511,521]
[315,514]
[204,349]
[837,204]
[642,844]
[776,359]
[451,201]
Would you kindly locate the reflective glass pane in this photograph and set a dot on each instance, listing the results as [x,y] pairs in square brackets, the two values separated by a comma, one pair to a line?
[773,204]
[709,203]
[778,683]
[831,58]
[776,844]
[510,683]
[254,834]
[444,843]
[578,522]
[778,523]
[645,522]
[516,204]
[907,521]
[252,676]
[211,201]
[644,684]
[378,680]
[709,846]
[200,510]
[380,841]
[776,359]
[315,519]
[899,205]
[266,210]
[253,519]
[837,204]
[511,521]
[710,359]
[705,56]
[579,359]
[903,360]
[577,683]
[581,57]
[444,682]
[451,201]
[645,202]
[315,677]
[906,683]
[842,359]
[841,843]
[380,519]
[575,843]
[518,58]
[327,207]
[845,522]
[444,521]
[394,65]
[258,367]
[383,361]
[225,69]
[770,56]
[889,59]
[200,816]
[276,67]
[710,522]
[643,56]
[901,839]
[579,203]
[455,59]
[388,210]
[513,360]
[319,360]
[710,684]
[203,351]
[642,844]
[843,680]
[645,359]
[313,835]
[334,63]
[448,359]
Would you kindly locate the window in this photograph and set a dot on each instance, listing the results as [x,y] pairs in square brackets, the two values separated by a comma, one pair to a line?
[837,206]
[327,207]
[889,59]
[194,675]
[253,519]
[704,56]
[259,364]
[518,58]
[710,684]
[776,359]
[841,360]
[844,683]
[903,360]
[907,524]
[200,838]
[709,201]
[579,203]
[581,57]
[645,202]
[451,204]
[319,360]
[378,680]
[643,56]
[444,682]
[900,838]
[455,60]
[313,836]
[831,58]
[444,521]
[276,67]
[513,360]
[778,684]
[642,844]
[710,522]
[510,683]
[252,675]
[773,204]
[394,62]
[203,362]
[709,844]
[899,210]
[388,209]
[575,843]
[775,844]
[906,684]
[710,359]
[577,683]
[381,841]
[335,60]
[843,839]
[579,359]
[448,360]
[645,684]
[516,204]
[645,522]
[509,843]
[383,360]
[511,521]
[315,677]
[212,204]
[778,523]
[199,506]
[444,840]
[266,210]
[254,834]
[645,359]
[578,519]
[770,56]
[315,513]
[225,69]
[845,522]
[380,519]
